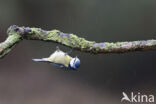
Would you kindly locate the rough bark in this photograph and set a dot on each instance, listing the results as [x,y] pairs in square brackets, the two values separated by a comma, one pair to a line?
[16,34]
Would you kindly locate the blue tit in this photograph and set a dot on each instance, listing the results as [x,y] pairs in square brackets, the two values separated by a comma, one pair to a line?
[61,60]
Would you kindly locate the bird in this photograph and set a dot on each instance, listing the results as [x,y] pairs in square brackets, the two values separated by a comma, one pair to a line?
[125,97]
[61,60]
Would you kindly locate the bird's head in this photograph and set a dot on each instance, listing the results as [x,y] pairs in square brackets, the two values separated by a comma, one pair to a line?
[74,63]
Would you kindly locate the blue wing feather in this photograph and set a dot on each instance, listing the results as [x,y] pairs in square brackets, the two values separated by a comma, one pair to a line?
[60,66]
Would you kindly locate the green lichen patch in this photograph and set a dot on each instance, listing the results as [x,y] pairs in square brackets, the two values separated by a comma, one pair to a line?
[6,46]
[81,43]
[54,34]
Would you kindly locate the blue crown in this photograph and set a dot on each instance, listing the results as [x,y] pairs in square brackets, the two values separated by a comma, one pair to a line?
[77,64]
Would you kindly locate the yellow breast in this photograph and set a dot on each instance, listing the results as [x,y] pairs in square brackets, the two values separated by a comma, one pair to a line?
[59,57]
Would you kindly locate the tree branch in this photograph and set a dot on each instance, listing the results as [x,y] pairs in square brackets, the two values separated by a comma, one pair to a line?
[16,34]
[12,39]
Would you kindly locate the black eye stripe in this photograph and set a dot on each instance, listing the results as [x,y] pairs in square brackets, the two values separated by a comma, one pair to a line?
[74,60]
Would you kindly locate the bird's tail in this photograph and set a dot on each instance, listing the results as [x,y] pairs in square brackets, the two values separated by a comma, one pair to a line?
[40,60]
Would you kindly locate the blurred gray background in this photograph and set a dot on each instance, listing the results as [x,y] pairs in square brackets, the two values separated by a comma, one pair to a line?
[101,79]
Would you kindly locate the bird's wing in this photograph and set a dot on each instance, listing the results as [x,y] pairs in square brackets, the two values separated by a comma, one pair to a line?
[60,66]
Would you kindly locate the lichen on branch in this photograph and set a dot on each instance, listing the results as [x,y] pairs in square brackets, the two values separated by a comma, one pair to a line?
[12,39]
[16,34]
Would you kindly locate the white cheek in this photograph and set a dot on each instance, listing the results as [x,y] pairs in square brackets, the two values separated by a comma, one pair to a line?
[72,64]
